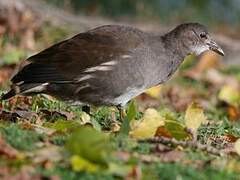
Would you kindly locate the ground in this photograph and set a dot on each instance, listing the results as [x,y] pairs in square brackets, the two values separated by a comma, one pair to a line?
[187,128]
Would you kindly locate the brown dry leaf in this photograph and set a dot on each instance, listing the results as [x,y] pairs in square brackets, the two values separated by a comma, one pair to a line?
[217,78]
[135,173]
[51,153]
[162,131]
[172,156]
[20,101]
[180,97]
[233,113]
[7,150]
[64,114]
[8,116]
[26,114]
[5,73]
[25,173]
[194,117]
[147,126]
[208,60]
[13,116]
[230,138]
[214,76]
[43,130]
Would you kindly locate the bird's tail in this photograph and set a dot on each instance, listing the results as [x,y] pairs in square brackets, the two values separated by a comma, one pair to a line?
[24,89]
[8,95]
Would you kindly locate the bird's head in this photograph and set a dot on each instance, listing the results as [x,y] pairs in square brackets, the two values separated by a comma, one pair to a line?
[195,39]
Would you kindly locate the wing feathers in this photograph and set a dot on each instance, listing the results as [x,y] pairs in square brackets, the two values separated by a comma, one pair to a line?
[38,73]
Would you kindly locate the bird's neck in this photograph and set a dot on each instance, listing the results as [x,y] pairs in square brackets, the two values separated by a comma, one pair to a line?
[175,46]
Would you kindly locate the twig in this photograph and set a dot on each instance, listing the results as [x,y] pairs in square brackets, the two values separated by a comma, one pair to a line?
[187,144]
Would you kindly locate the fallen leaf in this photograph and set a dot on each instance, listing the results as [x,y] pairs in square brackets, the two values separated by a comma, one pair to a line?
[14,115]
[7,150]
[217,78]
[26,114]
[214,77]
[85,118]
[237,147]
[51,153]
[25,173]
[89,144]
[194,117]
[9,116]
[63,125]
[162,131]
[80,164]
[233,113]
[172,156]
[230,95]
[148,125]
[230,138]
[131,111]
[64,114]
[180,97]
[176,129]
[131,114]
[154,92]
[5,73]
[120,170]
[208,60]
[135,173]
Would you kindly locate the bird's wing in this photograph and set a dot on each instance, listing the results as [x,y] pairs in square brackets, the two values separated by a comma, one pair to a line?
[65,61]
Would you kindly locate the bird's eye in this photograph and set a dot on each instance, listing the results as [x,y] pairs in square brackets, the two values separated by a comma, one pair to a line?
[203,35]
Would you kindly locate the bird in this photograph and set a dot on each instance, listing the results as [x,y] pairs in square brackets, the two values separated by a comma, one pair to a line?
[109,65]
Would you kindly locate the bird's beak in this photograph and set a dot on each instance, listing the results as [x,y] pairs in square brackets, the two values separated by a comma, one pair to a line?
[215,47]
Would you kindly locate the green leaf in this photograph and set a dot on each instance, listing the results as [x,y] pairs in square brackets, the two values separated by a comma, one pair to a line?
[125,127]
[120,170]
[63,125]
[90,144]
[175,128]
[131,111]
[131,114]
[13,56]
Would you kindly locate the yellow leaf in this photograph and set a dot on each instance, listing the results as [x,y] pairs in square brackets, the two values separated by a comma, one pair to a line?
[230,95]
[85,118]
[194,117]
[80,164]
[154,92]
[148,125]
[237,146]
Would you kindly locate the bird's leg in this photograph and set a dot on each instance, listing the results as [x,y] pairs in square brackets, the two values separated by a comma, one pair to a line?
[122,112]
[86,109]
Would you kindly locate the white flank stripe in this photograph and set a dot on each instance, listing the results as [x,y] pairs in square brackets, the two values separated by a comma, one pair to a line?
[126,56]
[86,77]
[39,88]
[81,87]
[107,66]
[109,63]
